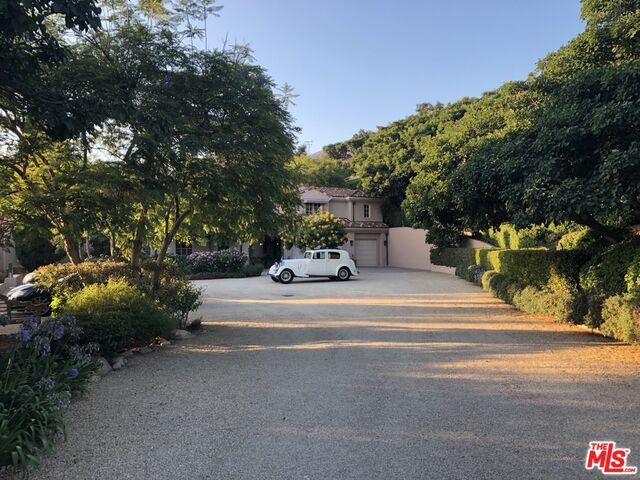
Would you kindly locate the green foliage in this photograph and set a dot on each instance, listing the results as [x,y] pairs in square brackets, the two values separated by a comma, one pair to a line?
[565,304]
[509,237]
[452,257]
[253,269]
[323,172]
[632,277]
[37,379]
[583,239]
[470,273]
[621,317]
[118,315]
[321,230]
[216,275]
[65,279]
[35,248]
[229,260]
[604,276]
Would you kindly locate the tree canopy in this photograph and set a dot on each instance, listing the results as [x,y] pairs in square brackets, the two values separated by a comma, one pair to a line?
[560,146]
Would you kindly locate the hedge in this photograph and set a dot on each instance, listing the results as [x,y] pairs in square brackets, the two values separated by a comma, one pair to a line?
[609,273]
[621,317]
[565,304]
[530,266]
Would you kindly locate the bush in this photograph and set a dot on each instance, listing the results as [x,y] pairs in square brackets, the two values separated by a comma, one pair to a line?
[632,277]
[536,236]
[253,270]
[118,315]
[452,257]
[216,275]
[582,239]
[565,304]
[64,280]
[471,273]
[605,276]
[621,317]
[37,380]
[230,260]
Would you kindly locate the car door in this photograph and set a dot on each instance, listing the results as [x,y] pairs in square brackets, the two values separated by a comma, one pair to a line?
[317,265]
[333,260]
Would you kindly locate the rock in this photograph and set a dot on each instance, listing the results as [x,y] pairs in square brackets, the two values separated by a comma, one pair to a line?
[127,354]
[161,342]
[104,366]
[118,363]
[145,350]
[181,335]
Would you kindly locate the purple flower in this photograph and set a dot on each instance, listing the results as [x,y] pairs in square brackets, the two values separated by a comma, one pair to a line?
[46,383]
[261,80]
[244,73]
[24,335]
[73,373]
[41,345]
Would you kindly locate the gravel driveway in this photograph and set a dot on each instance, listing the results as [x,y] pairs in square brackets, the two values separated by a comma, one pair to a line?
[395,374]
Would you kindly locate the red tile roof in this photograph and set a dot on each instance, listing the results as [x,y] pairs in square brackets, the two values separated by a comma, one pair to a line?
[349,224]
[336,191]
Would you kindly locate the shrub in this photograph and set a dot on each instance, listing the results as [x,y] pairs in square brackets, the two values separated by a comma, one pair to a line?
[621,317]
[565,304]
[605,276]
[253,270]
[64,280]
[452,257]
[536,236]
[35,248]
[583,239]
[118,315]
[230,260]
[321,230]
[216,275]
[37,379]
[471,273]
[632,277]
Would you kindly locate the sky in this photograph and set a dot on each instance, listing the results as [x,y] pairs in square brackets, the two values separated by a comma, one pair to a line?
[359,64]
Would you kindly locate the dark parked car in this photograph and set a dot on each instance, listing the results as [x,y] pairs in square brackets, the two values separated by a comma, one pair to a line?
[30,298]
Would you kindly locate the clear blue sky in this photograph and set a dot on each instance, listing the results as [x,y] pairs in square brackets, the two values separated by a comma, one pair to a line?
[363,63]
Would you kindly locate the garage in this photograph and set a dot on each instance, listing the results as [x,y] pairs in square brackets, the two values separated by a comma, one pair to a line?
[367,252]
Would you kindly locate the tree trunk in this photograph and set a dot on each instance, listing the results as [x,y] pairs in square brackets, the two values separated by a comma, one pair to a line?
[162,253]
[138,240]
[113,253]
[609,234]
[72,250]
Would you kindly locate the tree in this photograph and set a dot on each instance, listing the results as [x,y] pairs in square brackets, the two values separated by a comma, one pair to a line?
[31,43]
[323,172]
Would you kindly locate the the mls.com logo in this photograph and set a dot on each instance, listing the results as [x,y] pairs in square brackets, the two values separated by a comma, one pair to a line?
[608,459]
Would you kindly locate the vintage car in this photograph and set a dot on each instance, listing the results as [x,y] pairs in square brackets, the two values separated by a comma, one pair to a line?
[335,264]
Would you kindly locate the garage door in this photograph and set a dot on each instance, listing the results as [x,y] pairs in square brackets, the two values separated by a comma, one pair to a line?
[367,253]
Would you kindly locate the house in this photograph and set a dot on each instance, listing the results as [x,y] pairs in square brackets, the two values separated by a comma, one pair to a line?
[367,234]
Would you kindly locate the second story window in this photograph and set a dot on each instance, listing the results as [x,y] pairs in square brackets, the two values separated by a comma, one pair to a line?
[367,210]
[311,208]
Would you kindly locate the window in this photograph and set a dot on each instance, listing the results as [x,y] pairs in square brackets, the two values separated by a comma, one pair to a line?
[308,255]
[318,256]
[311,208]
[367,210]
[334,256]
[183,249]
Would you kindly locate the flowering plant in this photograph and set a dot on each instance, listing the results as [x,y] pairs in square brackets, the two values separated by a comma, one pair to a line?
[231,260]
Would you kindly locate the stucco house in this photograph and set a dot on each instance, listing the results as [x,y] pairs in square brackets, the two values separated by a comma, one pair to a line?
[367,234]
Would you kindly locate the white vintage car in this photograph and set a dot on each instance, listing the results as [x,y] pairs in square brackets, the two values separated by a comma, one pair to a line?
[335,264]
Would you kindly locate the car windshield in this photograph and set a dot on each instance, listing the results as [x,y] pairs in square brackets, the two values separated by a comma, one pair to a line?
[308,254]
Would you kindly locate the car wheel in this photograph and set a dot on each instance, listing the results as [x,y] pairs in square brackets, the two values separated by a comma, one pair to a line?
[286,276]
[274,278]
[344,274]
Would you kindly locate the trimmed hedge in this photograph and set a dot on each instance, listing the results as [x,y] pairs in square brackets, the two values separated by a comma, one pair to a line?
[565,304]
[621,317]
[605,275]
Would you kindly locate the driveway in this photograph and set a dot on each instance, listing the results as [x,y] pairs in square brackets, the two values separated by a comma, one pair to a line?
[395,374]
